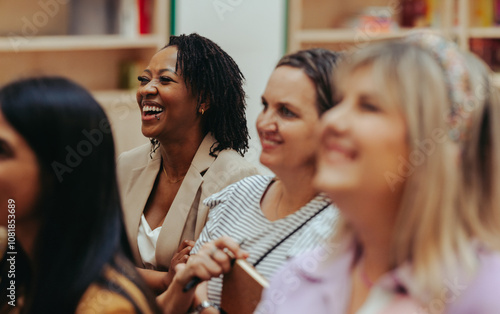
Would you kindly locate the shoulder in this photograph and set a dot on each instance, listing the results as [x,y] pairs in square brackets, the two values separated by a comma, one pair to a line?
[245,189]
[317,232]
[119,295]
[481,294]
[305,284]
[134,157]
[232,164]
[98,299]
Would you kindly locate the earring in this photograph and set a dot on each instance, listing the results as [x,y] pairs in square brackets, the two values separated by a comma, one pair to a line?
[202,111]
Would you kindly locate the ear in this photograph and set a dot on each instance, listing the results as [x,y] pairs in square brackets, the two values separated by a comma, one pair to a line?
[204,104]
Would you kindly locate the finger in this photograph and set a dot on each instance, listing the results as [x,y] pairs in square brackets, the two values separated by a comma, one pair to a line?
[223,259]
[185,243]
[186,250]
[211,251]
[231,245]
[183,259]
[203,266]
[179,259]
[179,267]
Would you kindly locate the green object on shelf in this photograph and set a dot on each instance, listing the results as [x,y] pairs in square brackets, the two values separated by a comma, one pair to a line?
[172,17]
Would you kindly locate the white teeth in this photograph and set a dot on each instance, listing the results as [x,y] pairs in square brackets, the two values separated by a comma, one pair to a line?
[152,108]
[269,142]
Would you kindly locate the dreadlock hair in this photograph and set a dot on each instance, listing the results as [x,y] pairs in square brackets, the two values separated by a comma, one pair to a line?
[318,64]
[214,78]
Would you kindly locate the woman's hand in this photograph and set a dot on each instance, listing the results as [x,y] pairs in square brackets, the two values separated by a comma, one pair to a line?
[180,257]
[211,261]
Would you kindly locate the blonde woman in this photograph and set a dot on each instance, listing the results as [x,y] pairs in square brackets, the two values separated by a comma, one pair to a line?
[408,155]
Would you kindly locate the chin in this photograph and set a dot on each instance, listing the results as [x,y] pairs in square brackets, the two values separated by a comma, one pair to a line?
[329,183]
[267,161]
[147,133]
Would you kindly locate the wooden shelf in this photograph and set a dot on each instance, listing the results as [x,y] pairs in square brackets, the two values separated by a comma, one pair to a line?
[320,23]
[110,98]
[484,32]
[83,42]
[347,35]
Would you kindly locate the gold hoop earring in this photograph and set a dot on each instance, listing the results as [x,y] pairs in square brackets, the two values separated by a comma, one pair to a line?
[202,111]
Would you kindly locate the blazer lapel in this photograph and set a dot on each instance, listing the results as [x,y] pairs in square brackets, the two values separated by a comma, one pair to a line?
[177,216]
[141,183]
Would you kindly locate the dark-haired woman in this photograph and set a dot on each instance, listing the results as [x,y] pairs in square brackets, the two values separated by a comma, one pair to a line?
[269,214]
[68,251]
[193,108]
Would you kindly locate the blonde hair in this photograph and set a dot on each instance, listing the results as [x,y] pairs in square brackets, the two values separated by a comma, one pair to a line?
[450,198]
[481,173]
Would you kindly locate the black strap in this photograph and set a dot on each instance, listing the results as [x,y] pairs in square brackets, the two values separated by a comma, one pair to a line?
[289,235]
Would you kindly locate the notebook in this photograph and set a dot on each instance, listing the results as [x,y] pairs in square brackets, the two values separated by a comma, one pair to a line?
[242,288]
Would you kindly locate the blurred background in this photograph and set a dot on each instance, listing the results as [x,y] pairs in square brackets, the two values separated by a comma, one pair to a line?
[105,44]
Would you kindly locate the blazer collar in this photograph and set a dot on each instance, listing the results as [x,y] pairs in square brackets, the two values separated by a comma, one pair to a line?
[202,159]
[175,221]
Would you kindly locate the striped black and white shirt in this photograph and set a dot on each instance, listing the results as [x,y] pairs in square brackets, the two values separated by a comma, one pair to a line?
[236,212]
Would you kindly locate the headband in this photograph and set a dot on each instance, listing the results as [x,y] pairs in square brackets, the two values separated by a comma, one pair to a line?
[456,73]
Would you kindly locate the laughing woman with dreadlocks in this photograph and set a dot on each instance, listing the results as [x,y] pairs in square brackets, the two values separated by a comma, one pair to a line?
[193,109]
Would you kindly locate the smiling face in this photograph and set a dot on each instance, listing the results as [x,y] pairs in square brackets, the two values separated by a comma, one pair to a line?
[288,121]
[362,138]
[168,108]
[19,174]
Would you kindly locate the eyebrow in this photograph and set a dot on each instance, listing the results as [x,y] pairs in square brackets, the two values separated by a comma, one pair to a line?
[370,97]
[281,103]
[161,71]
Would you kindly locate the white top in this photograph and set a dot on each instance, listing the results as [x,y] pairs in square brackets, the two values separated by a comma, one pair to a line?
[235,212]
[146,240]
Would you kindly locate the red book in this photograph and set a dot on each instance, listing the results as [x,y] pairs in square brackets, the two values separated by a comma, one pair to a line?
[145,11]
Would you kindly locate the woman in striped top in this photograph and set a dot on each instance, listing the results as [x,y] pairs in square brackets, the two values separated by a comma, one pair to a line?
[268,213]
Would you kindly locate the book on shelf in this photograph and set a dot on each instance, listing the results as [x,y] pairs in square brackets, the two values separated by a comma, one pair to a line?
[135,17]
[145,12]
[242,288]
[496,12]
[414,13]
[482,13]
[92,17]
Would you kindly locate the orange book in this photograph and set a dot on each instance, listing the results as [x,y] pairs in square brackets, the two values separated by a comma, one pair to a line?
[242,288]
[482,13]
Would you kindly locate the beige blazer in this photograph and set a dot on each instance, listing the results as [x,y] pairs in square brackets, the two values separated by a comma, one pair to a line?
[187,215]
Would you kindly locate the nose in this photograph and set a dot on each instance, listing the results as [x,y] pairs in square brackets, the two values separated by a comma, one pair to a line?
[337,119]
[148,89]
[266,121]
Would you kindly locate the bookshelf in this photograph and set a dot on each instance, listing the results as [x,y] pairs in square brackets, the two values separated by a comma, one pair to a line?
[331,24]
[39,38]
[338,24]
[477,32]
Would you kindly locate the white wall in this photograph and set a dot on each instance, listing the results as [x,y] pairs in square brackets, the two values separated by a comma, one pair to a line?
[250,31]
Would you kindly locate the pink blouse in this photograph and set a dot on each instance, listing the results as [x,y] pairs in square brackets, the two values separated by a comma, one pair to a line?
[316,283]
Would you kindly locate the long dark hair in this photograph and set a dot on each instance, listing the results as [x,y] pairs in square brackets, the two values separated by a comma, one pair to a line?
[213,77]
[81,225]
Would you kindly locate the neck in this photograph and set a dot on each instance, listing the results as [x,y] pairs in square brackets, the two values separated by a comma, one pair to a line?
[373,220]
[375,260]
[296,188]
[178,155]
